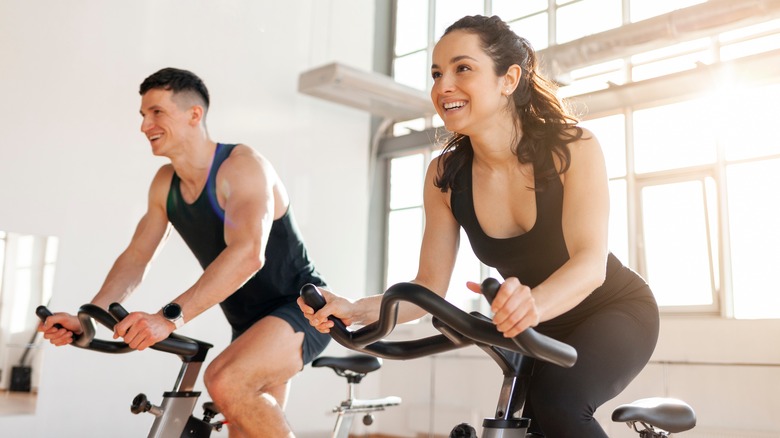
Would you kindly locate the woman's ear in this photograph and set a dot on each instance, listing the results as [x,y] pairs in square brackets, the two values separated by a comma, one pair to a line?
[512,79]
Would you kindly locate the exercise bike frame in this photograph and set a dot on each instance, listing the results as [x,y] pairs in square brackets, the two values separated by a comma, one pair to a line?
[458,329]
[173,418]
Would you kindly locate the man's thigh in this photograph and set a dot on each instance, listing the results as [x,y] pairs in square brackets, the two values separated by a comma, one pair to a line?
[267,354]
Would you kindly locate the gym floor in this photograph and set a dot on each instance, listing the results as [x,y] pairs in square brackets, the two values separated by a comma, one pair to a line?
[17,403]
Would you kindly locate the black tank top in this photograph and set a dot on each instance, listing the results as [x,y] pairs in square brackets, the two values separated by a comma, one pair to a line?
[535,255]
[287,266]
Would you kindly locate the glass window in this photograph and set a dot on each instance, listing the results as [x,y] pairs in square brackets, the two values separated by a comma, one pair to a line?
[404,236]
[643,9]
[412,70]
[511,9]
[586,17]
[450,11]
[534,28]
[618,220]
[745,132]
[674,136]
[611,133]
[406,181]
[594,77]
[411,32]
[671,59]
[676,222]
[754,208]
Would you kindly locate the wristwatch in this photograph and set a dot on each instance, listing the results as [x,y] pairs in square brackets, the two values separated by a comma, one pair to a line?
[172,312]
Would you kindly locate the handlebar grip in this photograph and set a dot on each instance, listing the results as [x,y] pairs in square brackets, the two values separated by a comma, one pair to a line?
[490,288]
[561,354]
[117,311]
[43,312]
[313,298]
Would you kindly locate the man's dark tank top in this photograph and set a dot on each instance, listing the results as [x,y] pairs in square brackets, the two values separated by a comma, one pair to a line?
[287,266]
[533,256]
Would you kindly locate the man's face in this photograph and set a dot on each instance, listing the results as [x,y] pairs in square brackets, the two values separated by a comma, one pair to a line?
[164,121]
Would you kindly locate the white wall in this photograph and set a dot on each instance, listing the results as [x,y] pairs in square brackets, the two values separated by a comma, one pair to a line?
[74,164]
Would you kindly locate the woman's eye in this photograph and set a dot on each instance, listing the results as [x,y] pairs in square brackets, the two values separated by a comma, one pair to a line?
[463,68]
[435,75]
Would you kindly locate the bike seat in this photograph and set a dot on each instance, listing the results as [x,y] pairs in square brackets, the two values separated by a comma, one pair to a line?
[361,364]
[669,414]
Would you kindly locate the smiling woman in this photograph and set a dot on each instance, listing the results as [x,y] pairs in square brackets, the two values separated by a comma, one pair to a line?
[27,264]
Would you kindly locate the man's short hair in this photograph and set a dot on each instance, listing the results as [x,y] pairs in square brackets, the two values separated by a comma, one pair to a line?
[177,81]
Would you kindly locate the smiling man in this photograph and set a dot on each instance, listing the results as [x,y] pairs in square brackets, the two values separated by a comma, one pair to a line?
[230,207]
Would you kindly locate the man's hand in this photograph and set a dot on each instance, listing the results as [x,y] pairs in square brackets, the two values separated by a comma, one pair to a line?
[63,335]
[141,330]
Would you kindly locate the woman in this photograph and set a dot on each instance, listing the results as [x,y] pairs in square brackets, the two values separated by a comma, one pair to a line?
[530,188]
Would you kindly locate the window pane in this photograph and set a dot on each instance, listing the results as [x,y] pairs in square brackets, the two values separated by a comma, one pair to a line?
[403,245]
[643,9]
[587,17]
[745,132]
[755,238]
[24,250]
[534,29]
[671,59]
[618,220]
[411,31]
[467,268]
[412,70]
[611,134]
[450,11]
[406,181]
[676,243]
[674,136]
[511,9]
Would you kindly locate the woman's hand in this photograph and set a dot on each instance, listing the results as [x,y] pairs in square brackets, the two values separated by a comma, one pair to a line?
[514,307]
[63,335]
[335,305]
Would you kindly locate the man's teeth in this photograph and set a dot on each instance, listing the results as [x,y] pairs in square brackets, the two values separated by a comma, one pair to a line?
[451,105]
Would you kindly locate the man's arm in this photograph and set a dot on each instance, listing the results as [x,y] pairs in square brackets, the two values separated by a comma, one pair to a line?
[152,231]
[245,189]
[129,268]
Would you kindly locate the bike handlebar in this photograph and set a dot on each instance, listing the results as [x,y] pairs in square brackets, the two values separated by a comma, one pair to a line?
[471,329]
[188,349]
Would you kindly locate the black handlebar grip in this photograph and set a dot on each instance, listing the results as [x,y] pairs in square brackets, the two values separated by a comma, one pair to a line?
[117,311]
[490,288]
[42,312]
[314,299]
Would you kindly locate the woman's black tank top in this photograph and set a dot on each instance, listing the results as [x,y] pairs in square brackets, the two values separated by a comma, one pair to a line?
[533,256]
[287,266]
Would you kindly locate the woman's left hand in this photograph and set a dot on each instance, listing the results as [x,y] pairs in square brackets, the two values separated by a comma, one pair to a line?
[514,307]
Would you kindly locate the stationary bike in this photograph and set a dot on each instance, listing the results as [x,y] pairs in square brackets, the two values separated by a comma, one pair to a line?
[173,417]
[656,417]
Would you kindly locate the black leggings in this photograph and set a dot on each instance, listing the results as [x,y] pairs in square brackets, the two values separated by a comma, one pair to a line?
[613,346]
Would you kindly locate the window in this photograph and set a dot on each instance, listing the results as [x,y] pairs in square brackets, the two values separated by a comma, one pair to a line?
[691,162]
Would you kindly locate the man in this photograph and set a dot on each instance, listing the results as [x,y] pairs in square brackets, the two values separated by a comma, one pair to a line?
[232,210]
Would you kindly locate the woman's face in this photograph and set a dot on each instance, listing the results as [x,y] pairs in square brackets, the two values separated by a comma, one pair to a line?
[466,92]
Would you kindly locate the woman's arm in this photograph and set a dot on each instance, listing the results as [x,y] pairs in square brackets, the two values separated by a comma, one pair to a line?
[437,258]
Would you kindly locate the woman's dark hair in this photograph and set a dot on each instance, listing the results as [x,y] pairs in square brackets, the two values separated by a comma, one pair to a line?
[546,125]
[178,81]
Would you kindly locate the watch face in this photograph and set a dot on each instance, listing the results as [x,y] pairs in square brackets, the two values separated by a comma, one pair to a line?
[172,311]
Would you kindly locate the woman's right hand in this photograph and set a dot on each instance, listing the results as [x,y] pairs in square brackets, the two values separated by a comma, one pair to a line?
[335,305]
[63,335]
